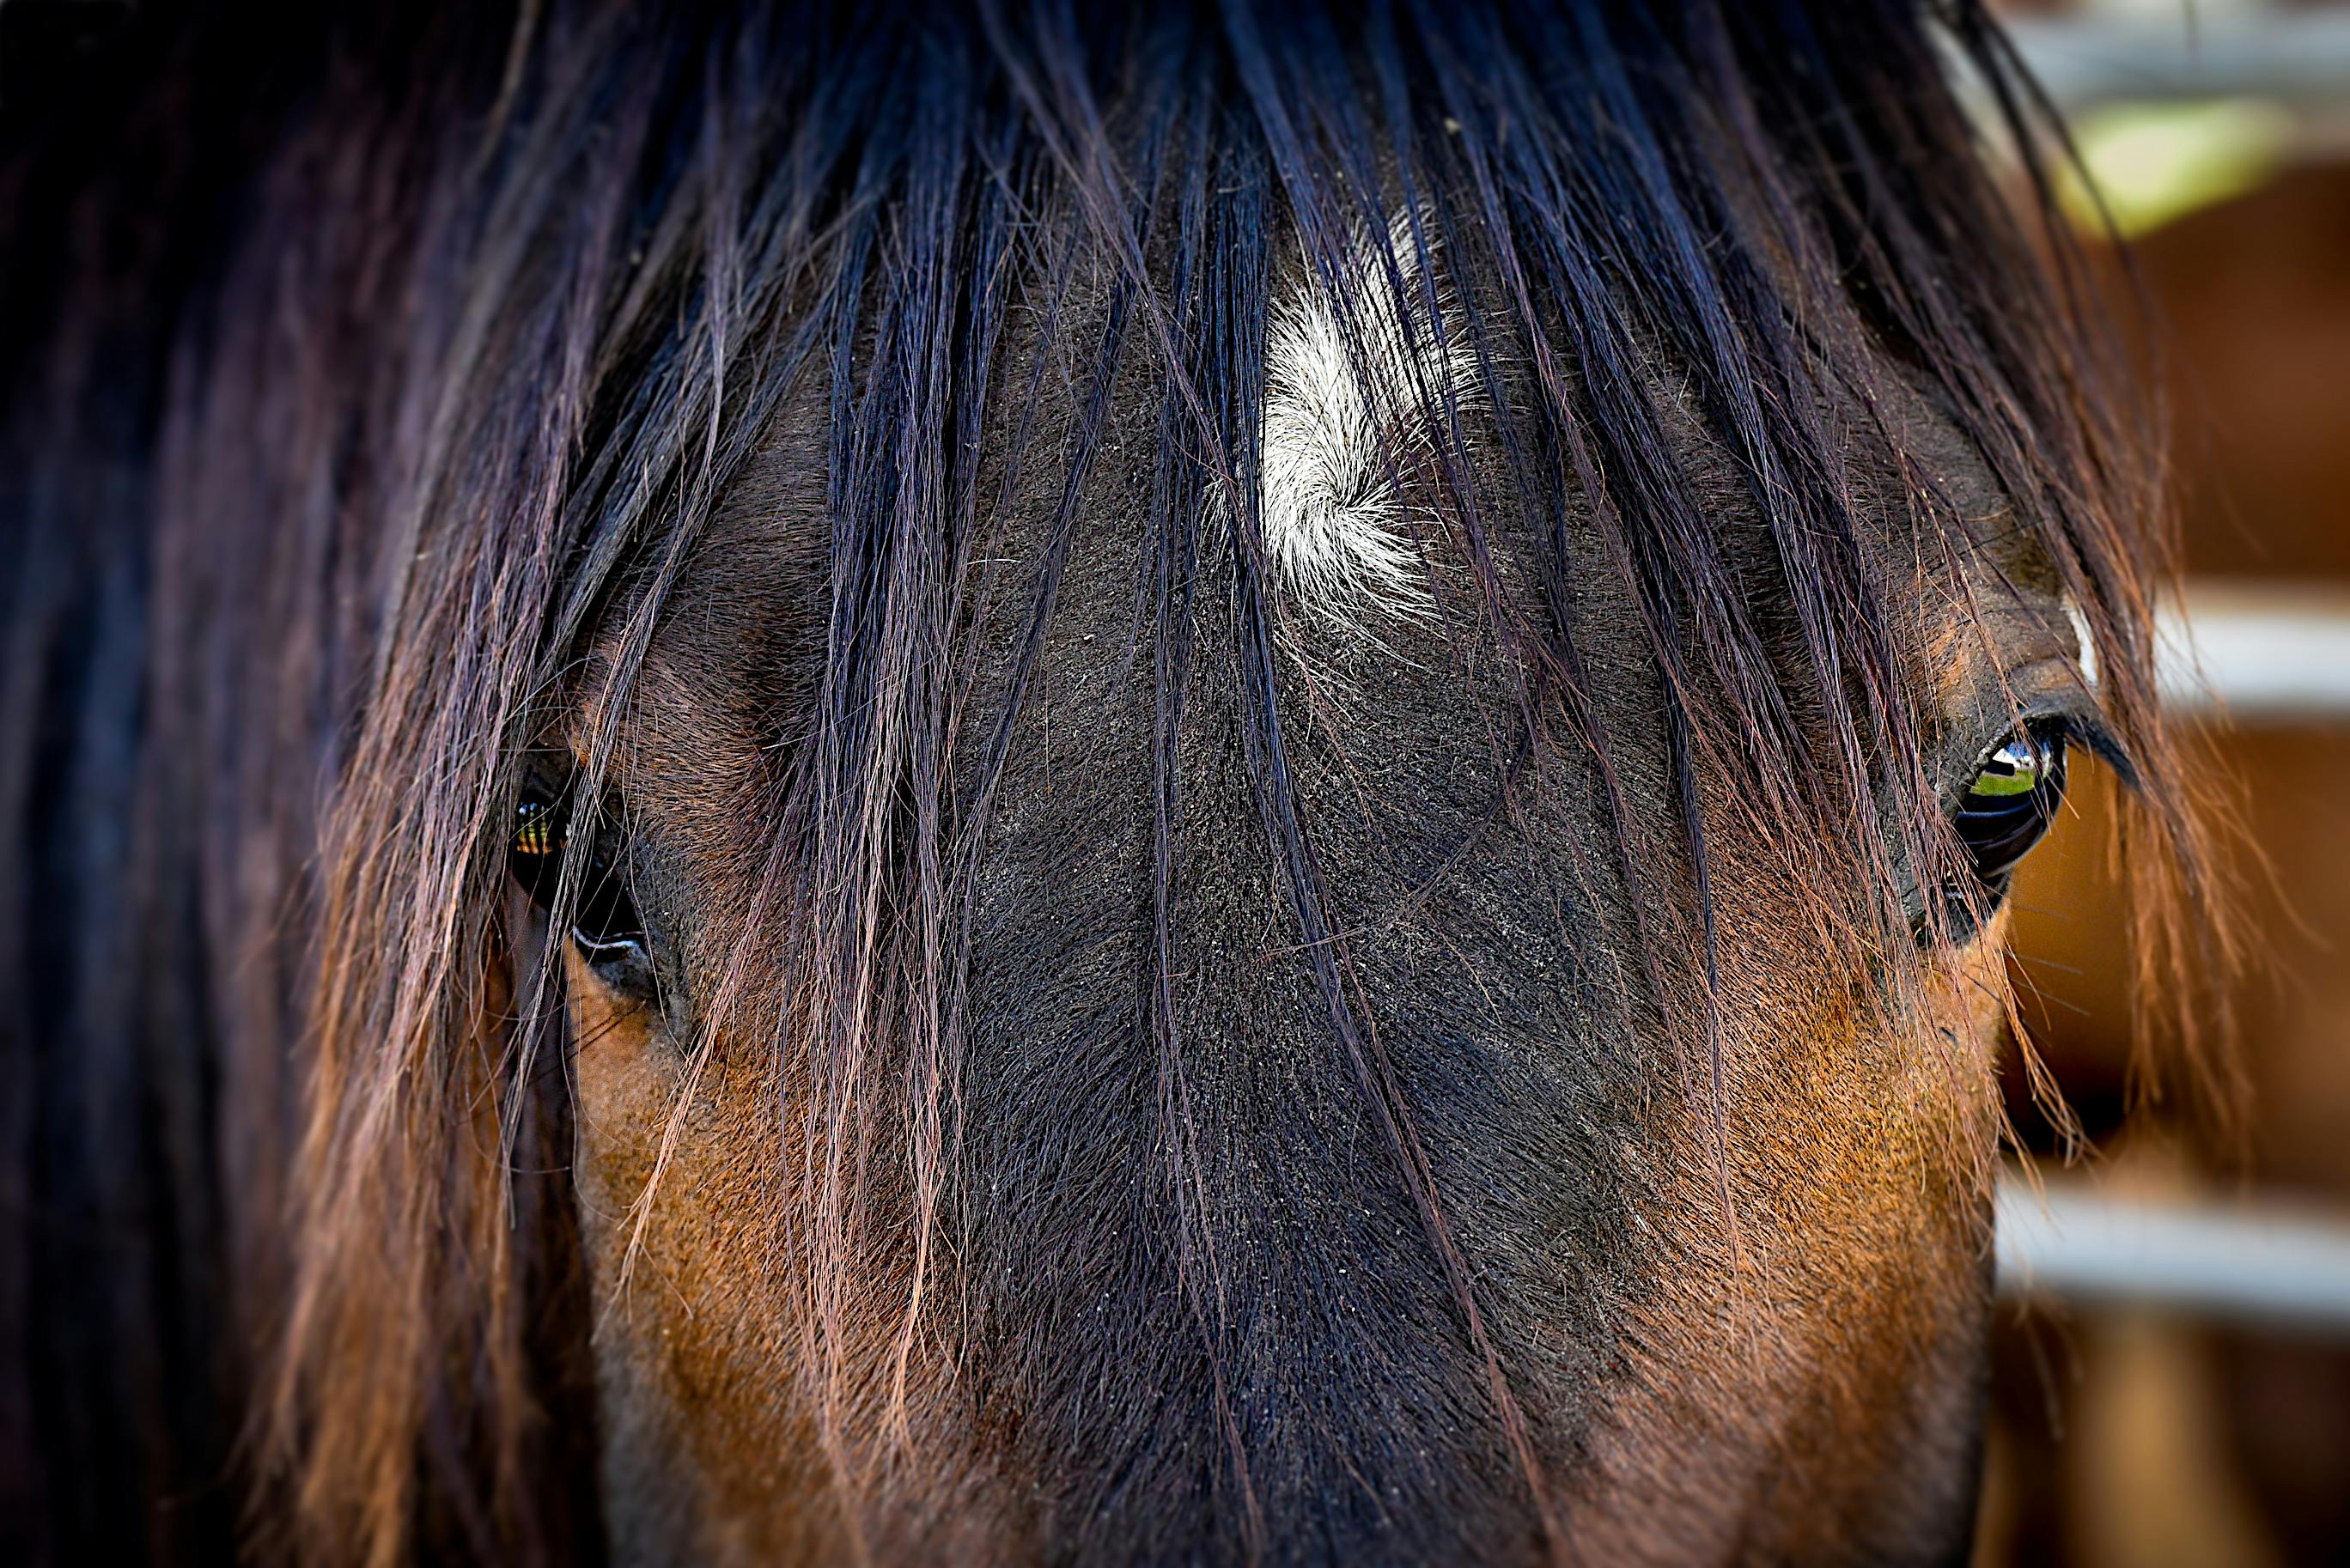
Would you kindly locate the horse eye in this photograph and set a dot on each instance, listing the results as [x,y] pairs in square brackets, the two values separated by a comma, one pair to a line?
[2009,805]
[605,925]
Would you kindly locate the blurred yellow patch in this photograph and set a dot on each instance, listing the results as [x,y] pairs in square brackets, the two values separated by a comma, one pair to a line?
[2153,162]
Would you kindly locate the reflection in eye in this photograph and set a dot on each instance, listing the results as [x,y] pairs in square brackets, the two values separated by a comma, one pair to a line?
[605,924]
[2005,812]
[2008,807]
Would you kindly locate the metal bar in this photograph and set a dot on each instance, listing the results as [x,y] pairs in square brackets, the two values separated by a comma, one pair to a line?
[2264,651]
[2261,653]
[2256,1266]
[2290,55]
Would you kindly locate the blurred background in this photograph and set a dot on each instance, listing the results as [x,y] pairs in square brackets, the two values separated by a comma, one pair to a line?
[2172,1381]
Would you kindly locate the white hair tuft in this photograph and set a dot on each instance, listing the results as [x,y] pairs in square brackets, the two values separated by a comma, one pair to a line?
[1345,420]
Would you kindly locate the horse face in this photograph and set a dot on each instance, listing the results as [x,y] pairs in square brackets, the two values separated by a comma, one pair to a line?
[1194,1285]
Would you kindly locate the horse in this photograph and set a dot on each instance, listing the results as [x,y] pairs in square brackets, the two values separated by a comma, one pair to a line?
[975,782]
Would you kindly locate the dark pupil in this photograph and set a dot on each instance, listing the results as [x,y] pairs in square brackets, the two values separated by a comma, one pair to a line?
[2008,807]
[603,916]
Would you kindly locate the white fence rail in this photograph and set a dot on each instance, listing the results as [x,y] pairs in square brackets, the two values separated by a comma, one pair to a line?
[2265,652]
[2260,1266]
[2185,51]
[2259,654]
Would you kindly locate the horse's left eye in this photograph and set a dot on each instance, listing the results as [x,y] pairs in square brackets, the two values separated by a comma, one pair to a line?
[605,925]
[2009,805]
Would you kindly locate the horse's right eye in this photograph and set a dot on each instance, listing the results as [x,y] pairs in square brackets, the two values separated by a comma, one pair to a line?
[604,926]
[2005,811]
[2010,804]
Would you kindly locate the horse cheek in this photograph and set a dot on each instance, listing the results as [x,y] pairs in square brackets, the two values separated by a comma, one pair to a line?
[708,1453]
